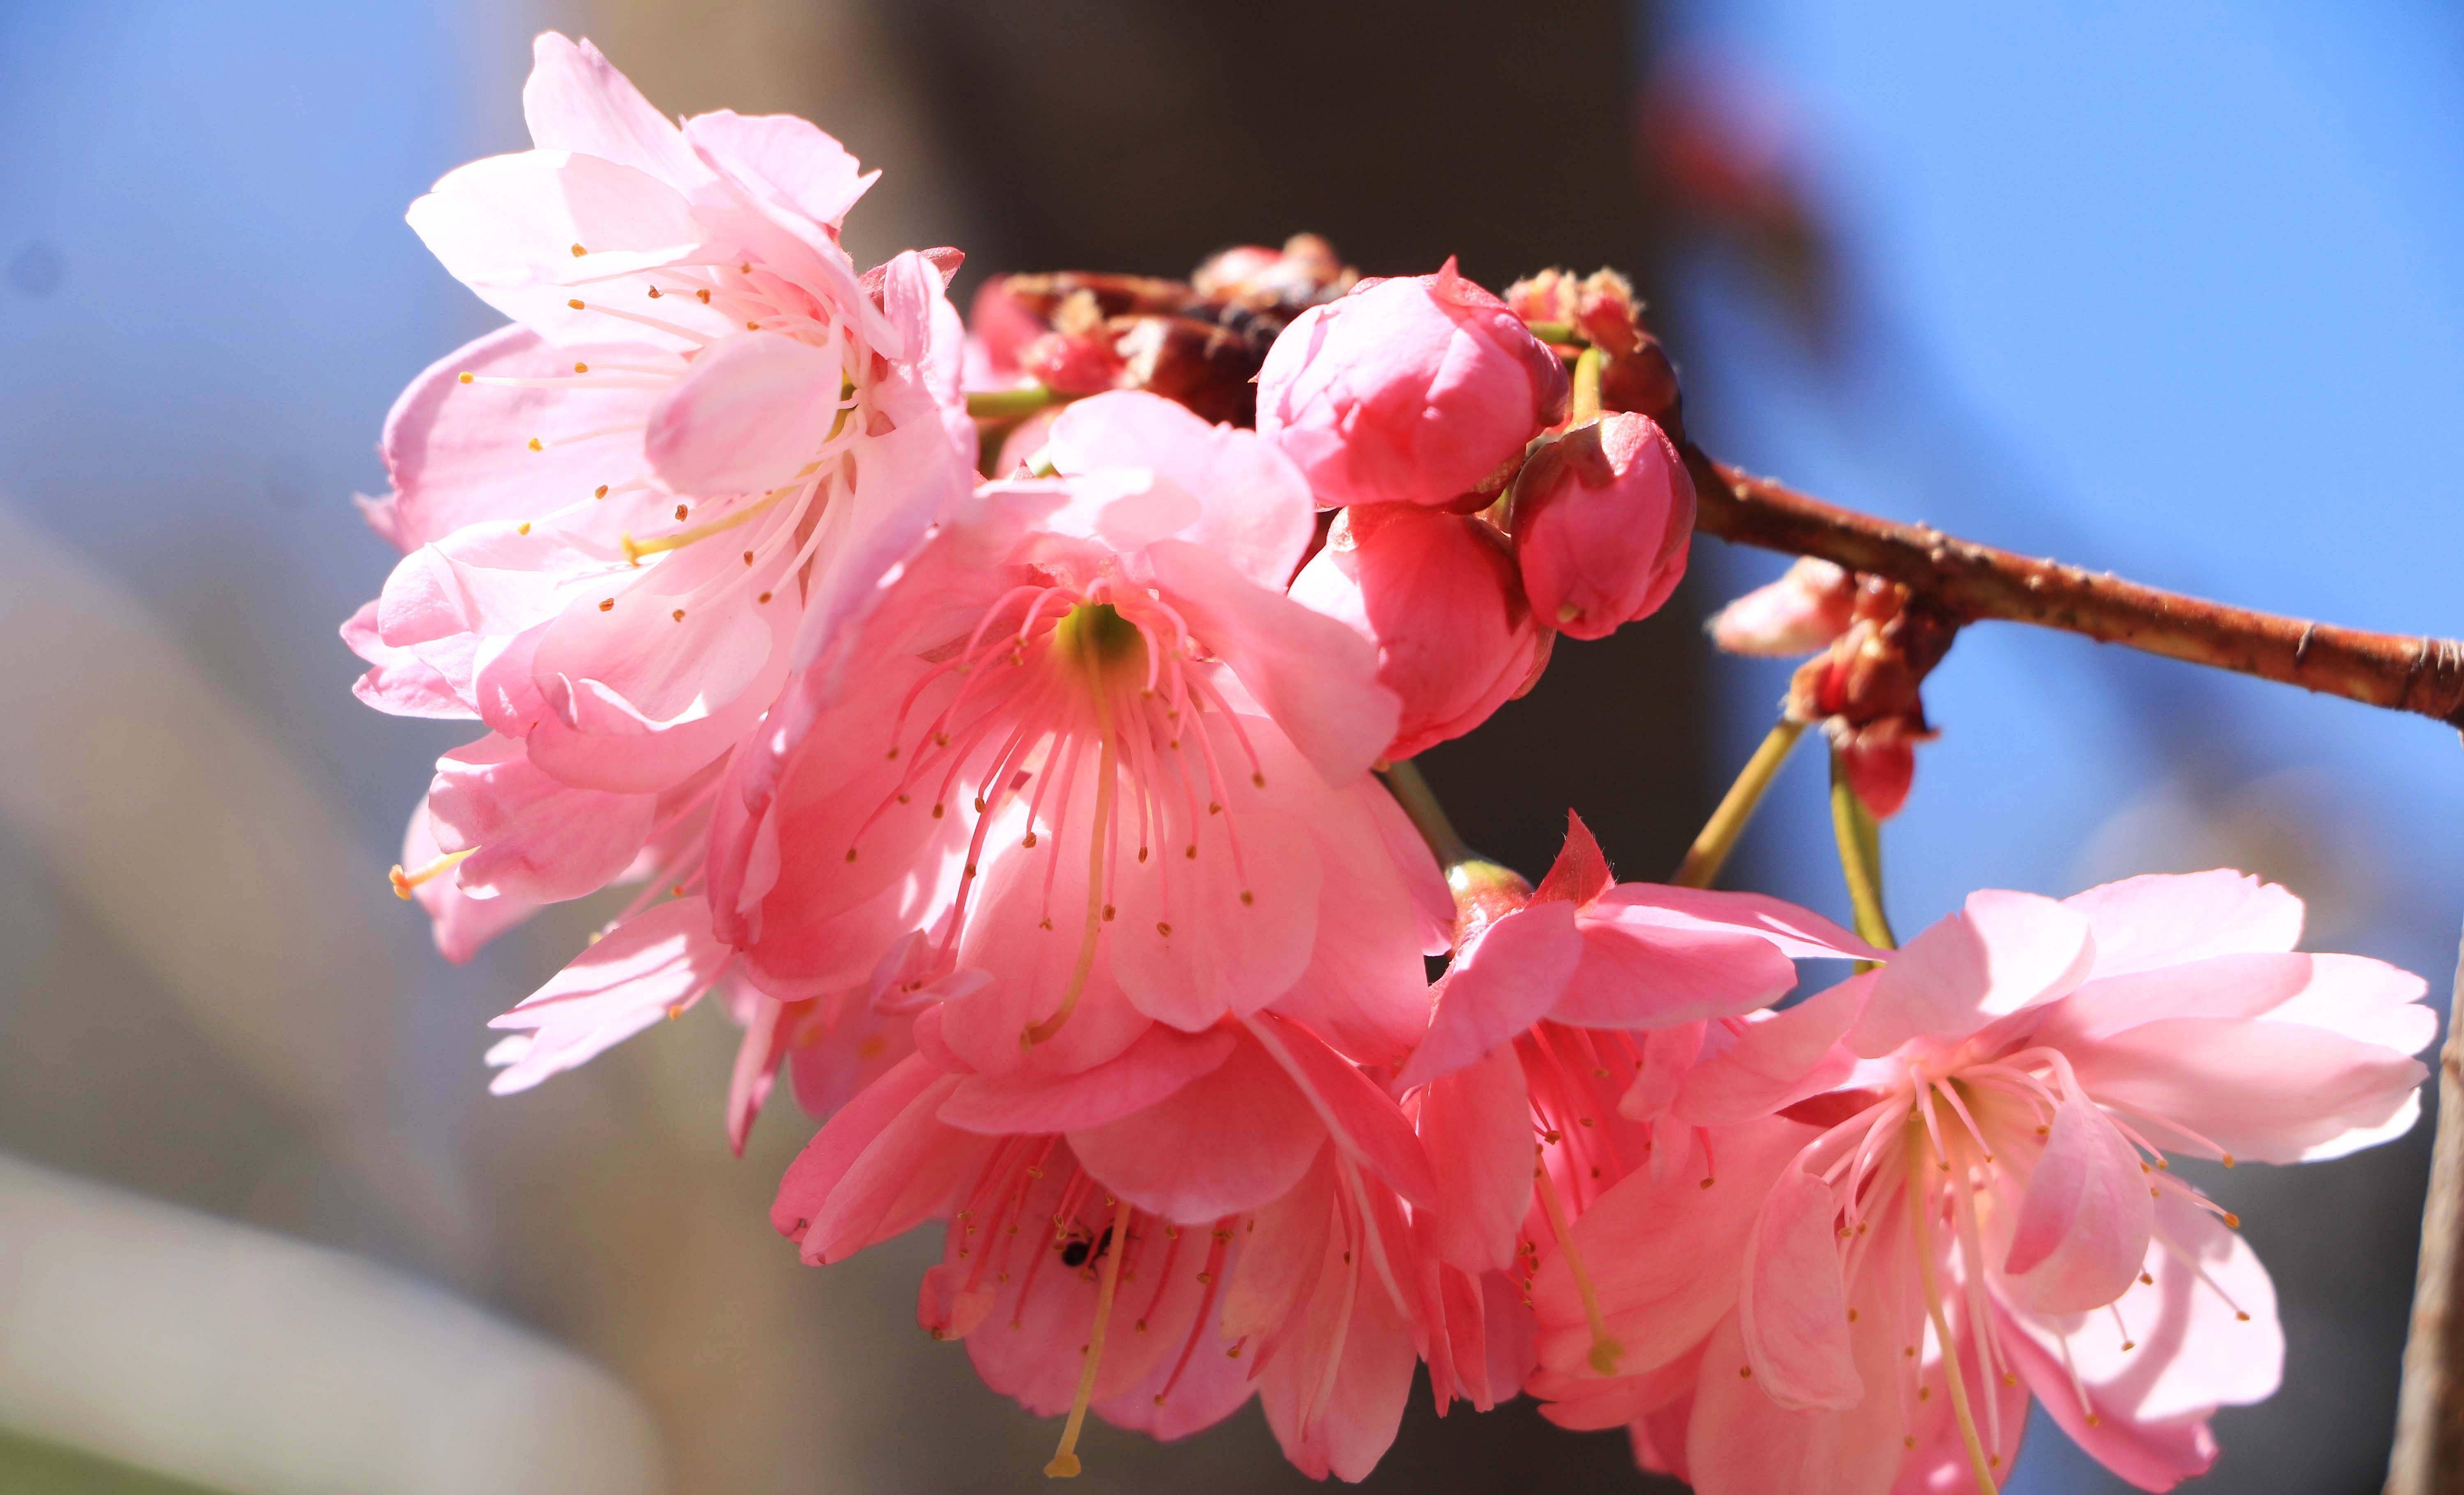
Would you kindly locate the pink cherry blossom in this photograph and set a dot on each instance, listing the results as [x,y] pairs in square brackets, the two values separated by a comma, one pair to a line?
[1421,391]
[1202,1217]
[1980,1205]
[1438,594]
[1801,612]
[1085,745]
[1603,516]
[629,515]
[1561,1028]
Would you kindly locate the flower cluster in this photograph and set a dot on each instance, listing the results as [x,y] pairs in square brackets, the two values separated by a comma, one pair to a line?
[1032,824]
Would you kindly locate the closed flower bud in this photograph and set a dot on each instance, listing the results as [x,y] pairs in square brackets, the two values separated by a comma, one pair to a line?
[1802,611]
[1602,519]
[1437,593]
[1421,391]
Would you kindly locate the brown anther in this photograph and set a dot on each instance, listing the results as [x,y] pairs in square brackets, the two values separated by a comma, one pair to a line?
[678,615]
[576,305]
[465,376]
[1247,898]
[704,294]
[850,853]
[534,444]
[1108,914]
[602,493]
[748,557]
[763,598]
[522,528]
[654,292]
[582,368]
[1163,928]
[579,252]
[680,511]
[608,604]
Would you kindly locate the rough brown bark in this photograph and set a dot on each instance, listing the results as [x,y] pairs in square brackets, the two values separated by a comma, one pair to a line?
[1974,582]
[2429,1457]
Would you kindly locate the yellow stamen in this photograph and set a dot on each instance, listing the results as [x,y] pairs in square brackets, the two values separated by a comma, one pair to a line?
[404,882]
[1107,769]
[1065,1459]
[1605,1349]
[1917,1220]
[635,549]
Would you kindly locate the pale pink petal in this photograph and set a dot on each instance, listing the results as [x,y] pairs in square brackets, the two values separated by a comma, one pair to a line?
[1507,978]
[1635,974]
[1315,676]
[2002,953]
[788,159]
[2084,1222]
[460,454]
[1251,509]
[399,681]
[1148,1072]
[575,100]
[1476,1126]
[1798,933]
[905,1174]
[2162,919]
[2278,1091]
[2153,1455]
[1793,1302]
[531,836]
[506,226]
[650,967]
[2216,986]
[459,923]
[1775,1060]
[1234,1140]
[752,416]
[2366,1000]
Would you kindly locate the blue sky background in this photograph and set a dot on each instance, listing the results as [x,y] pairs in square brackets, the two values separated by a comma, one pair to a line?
[2176,290]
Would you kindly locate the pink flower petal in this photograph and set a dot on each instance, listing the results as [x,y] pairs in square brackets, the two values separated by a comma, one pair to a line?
[1364,1121]
[2084,1222]
[1506,979]
[1148,1072]
[1317,677]
[790,159]
[655,963]
[575,100]
[1775,1060]
[1476,1127]
[1221,939]
[2278,1091]
[1248,505]
[1792,1304]
[1232,1141]
[753,414]
[2002,953]
[2158,920]
[531,836]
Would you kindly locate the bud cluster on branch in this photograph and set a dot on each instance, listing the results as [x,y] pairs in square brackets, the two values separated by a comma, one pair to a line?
[1008,724]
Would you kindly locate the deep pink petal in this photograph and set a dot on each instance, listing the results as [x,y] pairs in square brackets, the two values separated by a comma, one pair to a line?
[1476,1126]
[1148,1072]
[1366,990]
[1510,978]
[1793,1303]
[1363,1120]
[1775,1060]
[1222,937]
[805,1187]
[1234,1140]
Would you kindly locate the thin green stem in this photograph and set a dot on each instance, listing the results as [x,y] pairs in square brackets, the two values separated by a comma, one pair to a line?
[1719,836]
[1010,405]
[1419,801]
[1860,860]
[1586,401]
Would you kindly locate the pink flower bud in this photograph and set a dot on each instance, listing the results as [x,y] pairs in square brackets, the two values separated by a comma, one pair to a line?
[1437,593]
[1420,390]
[1879,760]
[1802,611]
[1602,519]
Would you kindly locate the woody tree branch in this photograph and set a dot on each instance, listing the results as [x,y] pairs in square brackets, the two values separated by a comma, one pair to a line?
[1974,582]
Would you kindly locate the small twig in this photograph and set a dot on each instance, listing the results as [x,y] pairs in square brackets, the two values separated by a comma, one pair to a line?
[1710,851]
[1860,861]
[2428,1458]
[1974,582]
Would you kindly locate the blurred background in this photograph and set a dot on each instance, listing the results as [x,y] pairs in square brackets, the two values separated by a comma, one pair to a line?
[2177,291]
